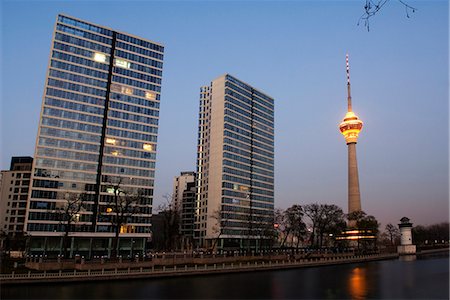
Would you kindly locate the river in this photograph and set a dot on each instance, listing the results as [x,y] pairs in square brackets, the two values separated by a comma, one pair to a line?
[424,278]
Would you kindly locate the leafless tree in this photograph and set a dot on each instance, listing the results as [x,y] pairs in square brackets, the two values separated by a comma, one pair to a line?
[427,235]
[325,219]
[313,212]
[123,207]
[393,232]
[372,7]
[171,224]
[293,224]
[68,214]
[218,227]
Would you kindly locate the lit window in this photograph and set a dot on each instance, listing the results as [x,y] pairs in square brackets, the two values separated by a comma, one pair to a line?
[148,147]
[122,63]
[100,57]
[243,188]
[115,153]
[109,210]
[127,229]
[127,90]
[110,141]
[150,95]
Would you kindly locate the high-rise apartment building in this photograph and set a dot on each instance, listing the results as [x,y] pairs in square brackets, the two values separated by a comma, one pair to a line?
[183,202]
[235,165]
[187,214]
[179,186]
[14,189]
[97,137]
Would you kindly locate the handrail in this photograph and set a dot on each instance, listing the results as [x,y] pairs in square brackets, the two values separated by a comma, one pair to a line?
[34,276]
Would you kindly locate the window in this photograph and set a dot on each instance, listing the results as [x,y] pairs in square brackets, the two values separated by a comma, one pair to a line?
[18,175]
[110,141]
[122,63]
[100,57]
[150,95]
[148,147]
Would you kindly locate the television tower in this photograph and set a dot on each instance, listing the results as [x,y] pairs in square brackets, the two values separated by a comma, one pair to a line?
[350,127]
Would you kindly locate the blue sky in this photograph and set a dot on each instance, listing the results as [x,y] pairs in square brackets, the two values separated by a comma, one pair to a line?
[293,51]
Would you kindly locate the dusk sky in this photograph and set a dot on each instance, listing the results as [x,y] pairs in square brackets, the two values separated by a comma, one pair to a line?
[295,52]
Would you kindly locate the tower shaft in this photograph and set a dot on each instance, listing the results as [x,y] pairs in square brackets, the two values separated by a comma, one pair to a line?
[354,196]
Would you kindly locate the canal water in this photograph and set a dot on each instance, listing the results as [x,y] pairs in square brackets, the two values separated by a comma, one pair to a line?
[422,278]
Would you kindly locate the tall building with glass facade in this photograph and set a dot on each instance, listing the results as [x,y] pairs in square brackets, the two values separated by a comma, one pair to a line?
[98,129]
[235,165]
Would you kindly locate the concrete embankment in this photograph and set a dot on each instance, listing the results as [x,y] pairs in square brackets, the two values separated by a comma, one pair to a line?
[144,270]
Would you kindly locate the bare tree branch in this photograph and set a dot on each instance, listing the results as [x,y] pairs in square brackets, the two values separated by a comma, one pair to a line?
[372,7]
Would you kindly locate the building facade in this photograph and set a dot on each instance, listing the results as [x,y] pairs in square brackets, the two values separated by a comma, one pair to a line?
[235,166]
[179,186]
[14,189]
[96,140]
[187,216]
[183,201]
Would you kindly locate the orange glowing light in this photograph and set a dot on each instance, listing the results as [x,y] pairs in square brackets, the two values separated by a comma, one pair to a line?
[357,283]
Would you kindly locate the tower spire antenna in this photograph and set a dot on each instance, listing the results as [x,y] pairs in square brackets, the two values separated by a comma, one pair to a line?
[350,128]
[349,95]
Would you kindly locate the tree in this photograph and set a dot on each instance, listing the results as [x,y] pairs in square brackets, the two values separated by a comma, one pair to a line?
[372,7]
[334,222]
[314,213]
[171,226]
[423,235]
[293,223]
[217,228]
[354,217]
[68,214]
[123,207]
[368,223]
[325,219]
[279,226]
[392,232]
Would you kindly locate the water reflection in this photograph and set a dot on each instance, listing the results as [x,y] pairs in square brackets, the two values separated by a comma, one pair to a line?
[408,257]
[357,283]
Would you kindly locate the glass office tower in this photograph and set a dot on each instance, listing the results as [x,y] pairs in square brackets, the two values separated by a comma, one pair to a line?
[97,135]
[235,166]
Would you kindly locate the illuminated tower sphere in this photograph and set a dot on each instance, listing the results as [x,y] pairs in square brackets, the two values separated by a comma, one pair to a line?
[350,127]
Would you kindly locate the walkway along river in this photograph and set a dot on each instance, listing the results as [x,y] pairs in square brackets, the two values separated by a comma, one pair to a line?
[121,271]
